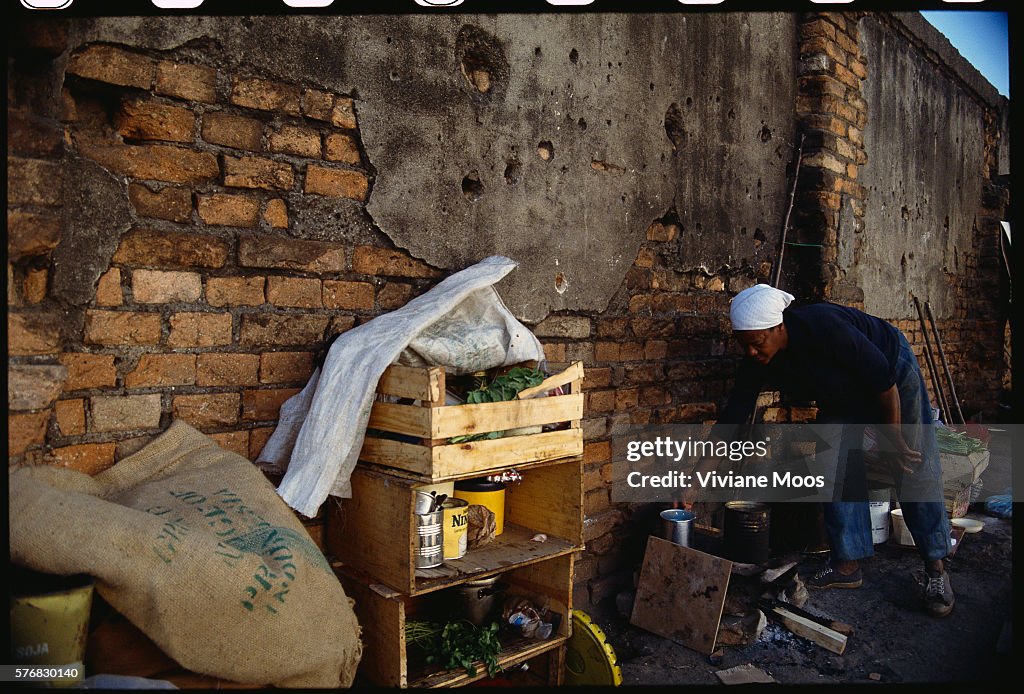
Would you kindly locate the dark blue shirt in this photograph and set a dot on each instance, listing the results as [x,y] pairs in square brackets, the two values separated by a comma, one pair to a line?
[837,356]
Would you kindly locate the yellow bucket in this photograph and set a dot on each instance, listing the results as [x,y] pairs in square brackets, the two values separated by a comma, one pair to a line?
[50,626]
[456,523]
[485,493]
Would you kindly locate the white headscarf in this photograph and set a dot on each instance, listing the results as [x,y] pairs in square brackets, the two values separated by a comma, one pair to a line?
[758,308]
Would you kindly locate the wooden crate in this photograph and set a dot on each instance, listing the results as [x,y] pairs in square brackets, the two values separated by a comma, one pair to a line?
[374,531]
[383,613]
[426,428]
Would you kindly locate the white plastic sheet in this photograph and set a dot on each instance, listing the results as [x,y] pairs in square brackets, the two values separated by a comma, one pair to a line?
[461,324]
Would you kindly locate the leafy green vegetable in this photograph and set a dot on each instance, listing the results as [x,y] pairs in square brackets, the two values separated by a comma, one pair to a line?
[457,644]
[955,442]
[502,388]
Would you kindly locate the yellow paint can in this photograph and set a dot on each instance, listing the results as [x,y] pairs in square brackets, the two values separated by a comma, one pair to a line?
[456,523]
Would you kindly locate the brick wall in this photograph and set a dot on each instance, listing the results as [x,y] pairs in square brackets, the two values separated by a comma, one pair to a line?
[212,303]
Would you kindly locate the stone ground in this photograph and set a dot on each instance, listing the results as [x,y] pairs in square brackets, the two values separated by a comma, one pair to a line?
[893,642]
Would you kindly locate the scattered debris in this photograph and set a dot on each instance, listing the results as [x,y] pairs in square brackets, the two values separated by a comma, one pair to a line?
[743,674]
[717,657]
[741,630]
[875,676]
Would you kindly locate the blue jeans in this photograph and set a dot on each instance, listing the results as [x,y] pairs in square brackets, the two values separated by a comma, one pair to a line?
[848,523]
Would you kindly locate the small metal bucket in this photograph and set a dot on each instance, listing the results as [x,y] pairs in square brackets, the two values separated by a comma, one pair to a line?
[429,539]
[676,525]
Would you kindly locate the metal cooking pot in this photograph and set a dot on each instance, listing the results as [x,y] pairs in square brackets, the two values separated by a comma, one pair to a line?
[475,600]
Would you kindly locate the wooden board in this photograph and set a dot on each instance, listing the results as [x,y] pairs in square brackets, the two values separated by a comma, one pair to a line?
[381,615]
[681,593]
[452,460]
[426,385]
[829,639]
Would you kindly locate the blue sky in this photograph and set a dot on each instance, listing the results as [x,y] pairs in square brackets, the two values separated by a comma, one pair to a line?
[982,38]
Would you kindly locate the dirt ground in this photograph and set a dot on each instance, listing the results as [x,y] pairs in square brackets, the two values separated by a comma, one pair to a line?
[893,641]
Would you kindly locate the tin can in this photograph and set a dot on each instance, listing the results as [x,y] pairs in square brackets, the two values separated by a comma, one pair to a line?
[456,523]
[429,540]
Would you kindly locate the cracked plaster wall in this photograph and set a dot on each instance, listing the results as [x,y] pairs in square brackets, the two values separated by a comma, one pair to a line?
[553,139]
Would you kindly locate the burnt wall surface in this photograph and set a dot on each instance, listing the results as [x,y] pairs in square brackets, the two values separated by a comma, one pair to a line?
[198,205]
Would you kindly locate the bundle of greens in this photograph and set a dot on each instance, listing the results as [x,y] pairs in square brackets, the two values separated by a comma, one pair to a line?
[456,644]
[502,388]
[954,442]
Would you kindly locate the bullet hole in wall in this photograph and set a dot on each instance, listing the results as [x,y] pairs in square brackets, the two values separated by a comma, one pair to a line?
[545,150]
[574,56]
[582,123]
[674,127]
[513,171]
[472,188]
[482,60]
[561,284]
[766,133]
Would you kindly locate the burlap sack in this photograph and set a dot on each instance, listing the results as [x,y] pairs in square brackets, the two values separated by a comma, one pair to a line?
[191,543]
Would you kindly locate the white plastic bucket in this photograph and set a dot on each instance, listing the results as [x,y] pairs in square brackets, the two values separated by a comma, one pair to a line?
[878,505]
[900,531]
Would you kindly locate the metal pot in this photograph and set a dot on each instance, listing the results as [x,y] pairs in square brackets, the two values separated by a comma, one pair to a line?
[475,600]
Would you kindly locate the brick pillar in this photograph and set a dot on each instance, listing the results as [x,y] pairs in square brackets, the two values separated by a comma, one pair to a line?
[831,114]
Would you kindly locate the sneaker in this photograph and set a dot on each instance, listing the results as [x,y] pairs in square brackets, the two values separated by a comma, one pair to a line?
[827,577]
[938,594]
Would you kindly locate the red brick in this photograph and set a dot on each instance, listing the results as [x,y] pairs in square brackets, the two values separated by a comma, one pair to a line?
[70,417]
[291,254]
[347,295]
[595,501]
[382,262]
[606,351]
[28,134]
[185,81]
[340,183]
[297,292]
[200,330]
[653,396]
[235,291]
[317,104]
[235,441]
[258,439]
[261,405]
[626,398]
[394,295]
[571,327]
[30,334]
[554,352]
[613,327]
[108,289]
[122,328]
[162,370]
[662,232]
[113,65]
[170,203]
[124,412]
[26,430]
[601,401]
[276,213]
[291,139]
[33,182]
[166,286]
[340,324]
[286,367]
[207,410]
[257,172]
[597,452]
[344,114]
[225,369]
[171,249]
[147,120]
[228,210]
[596,378]
[34,285]
[89,458]
[88,370]
[229,130]
[154,162]
[30,234]
[276,330]
[342,148]
[266,95]
[696,412]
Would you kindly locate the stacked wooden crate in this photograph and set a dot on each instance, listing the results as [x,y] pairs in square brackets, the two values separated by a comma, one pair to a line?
[372,536]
